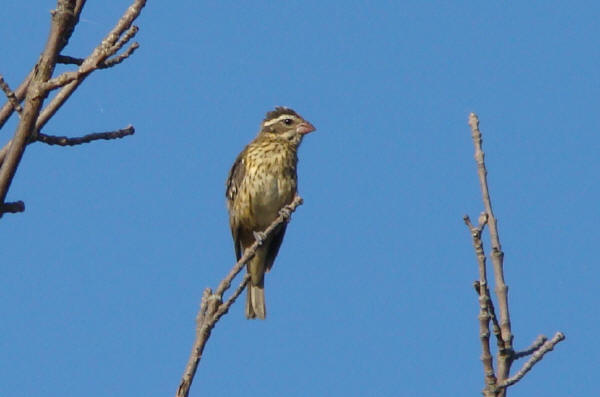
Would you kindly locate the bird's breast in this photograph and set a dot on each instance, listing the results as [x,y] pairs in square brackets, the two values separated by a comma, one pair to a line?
[269,183]
[272,192]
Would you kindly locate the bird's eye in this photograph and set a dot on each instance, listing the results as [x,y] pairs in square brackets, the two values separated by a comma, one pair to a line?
[287,121]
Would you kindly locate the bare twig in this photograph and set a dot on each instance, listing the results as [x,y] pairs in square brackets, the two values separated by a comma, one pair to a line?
[125,38]
[505,354]
[12,208]
[87,67]
[102,65]
[536,356]
[40,82]
[537,343]
[484,302]
[12,98]
[212,307]
[20,92]
[62,23]
[94,61]
[496,382]
[117,59]
[8,108]
[67,60]
[64,141]
[4,151]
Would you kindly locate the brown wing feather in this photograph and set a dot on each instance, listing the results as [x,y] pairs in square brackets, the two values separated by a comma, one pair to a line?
[234,181]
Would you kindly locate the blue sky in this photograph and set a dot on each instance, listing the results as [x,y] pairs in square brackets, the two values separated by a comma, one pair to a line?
[371,293]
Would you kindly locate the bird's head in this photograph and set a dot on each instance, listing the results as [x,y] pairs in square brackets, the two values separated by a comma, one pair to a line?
[285,123]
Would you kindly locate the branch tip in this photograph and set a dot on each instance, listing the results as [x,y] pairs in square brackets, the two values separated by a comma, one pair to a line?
[10,95]
[12,208]
[534,359]
[65,141]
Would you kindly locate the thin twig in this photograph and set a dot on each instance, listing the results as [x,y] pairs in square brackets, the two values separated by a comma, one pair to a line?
[537,343]
[12,208]
[12,98]
[535,357]
[496,383]
[109,63]
[94,61]
[63,19]
[497,256]
[125,38]
[249,252]
[64,141]
[20,92]
[4,151]
[33,118]
[212,307]
[67,60]
[102,62]
[224,307]
[484,309]
[64,79]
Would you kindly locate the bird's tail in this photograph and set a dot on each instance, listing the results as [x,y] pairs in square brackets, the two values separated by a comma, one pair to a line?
[255,301]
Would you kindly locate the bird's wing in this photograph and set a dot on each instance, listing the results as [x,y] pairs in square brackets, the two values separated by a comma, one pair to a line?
[234,181]
[274,246]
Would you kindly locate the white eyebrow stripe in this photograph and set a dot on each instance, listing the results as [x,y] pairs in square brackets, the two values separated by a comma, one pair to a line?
[278,119]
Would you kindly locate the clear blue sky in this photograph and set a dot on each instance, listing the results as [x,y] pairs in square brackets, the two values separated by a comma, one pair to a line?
[371,294]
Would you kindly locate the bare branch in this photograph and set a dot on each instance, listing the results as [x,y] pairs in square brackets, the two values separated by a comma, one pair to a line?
[37,87]
[494,319]
[484,309]
[88,67]
[224,308]
[4,151]
[63,19]
[109,63]
[505,355]
[537,356]
[125,38]
[12,208]
[496,382]
[67,60]
[94,61]
[212,307]
[64,141]
[20,92]
[62,80]
[12,98]
[537,343]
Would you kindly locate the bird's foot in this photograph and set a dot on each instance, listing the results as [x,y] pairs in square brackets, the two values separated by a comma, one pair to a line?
[259,237]
[285,213]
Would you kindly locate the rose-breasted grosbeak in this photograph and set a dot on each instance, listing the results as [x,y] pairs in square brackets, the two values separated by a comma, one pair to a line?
[262,180]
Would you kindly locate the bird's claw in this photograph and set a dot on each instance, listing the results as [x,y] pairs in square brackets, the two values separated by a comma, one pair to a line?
[259,237]
[285,213]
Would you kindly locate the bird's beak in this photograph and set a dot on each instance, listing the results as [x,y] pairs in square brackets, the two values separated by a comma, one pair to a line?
[304,128]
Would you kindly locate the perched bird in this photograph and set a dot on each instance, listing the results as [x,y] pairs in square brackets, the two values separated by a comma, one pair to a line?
[262,180]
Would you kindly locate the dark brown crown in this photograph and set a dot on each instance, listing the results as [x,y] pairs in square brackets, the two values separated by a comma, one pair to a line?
[279,111]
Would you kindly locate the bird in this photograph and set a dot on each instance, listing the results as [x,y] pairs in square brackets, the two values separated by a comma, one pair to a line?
[262,180]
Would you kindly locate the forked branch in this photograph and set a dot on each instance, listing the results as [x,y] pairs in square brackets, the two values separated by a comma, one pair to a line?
[212,307]
[39,83]
[496,381]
